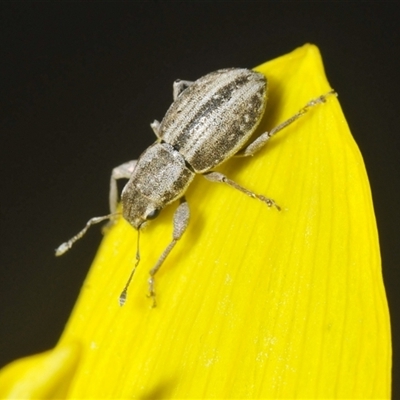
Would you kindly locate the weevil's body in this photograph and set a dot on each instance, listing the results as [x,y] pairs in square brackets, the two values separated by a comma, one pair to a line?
[209,121]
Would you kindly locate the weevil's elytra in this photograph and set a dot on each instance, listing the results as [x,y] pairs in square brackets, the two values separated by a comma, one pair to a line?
[213,118]
[209,121]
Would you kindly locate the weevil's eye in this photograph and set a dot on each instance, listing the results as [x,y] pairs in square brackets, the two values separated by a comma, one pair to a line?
[153,214]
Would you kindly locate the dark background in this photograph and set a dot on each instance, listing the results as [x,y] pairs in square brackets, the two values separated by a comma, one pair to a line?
[80,83]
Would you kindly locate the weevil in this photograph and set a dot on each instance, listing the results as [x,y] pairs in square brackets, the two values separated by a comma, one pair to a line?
[209,121]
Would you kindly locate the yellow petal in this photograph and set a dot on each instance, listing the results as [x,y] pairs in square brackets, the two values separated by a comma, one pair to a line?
[252,302]
[42,376]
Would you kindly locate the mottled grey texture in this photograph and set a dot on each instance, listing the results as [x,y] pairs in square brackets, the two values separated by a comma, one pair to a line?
[213,118]
[159,178]
[209,121]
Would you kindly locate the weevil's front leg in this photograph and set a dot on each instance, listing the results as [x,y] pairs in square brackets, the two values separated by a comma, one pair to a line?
[64,247]
[179,86]
[181,220]
[123,171]
[221,178]
[255,146]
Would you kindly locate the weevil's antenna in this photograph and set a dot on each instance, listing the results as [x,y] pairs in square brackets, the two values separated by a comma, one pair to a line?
[60,250]
[124,294]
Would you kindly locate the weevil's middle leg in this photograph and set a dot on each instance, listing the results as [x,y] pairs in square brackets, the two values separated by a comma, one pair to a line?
[181,220]
[255,146]
[221,178]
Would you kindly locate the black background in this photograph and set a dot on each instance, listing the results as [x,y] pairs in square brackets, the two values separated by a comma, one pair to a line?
[80,83]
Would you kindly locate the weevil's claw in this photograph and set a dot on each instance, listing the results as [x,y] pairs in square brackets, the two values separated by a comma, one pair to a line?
[269,202]
[122,298]
[152,295]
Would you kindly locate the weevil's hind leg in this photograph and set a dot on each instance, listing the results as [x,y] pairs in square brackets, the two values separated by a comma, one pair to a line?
[181,220]
[179,86]
[123,171]
[221,178]
[257,145]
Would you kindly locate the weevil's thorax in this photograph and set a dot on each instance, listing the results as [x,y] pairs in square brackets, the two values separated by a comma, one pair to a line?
[213,118]
[160,177]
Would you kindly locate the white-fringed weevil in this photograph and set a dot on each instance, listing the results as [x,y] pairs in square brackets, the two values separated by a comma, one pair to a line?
[209,121]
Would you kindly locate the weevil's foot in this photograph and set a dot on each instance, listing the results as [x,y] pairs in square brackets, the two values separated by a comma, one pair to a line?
[122,297]
[269,202]
[62,248]
[152,295]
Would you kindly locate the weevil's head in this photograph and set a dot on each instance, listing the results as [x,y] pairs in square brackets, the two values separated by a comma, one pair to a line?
[138,209]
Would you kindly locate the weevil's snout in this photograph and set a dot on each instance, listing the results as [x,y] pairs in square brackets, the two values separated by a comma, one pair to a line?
[136,208]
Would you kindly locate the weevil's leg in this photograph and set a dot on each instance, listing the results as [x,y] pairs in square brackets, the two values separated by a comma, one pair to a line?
[255,146]
[155,125]
[221,178]
[181,220]
[67,245]
[123,171]
[179,86]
